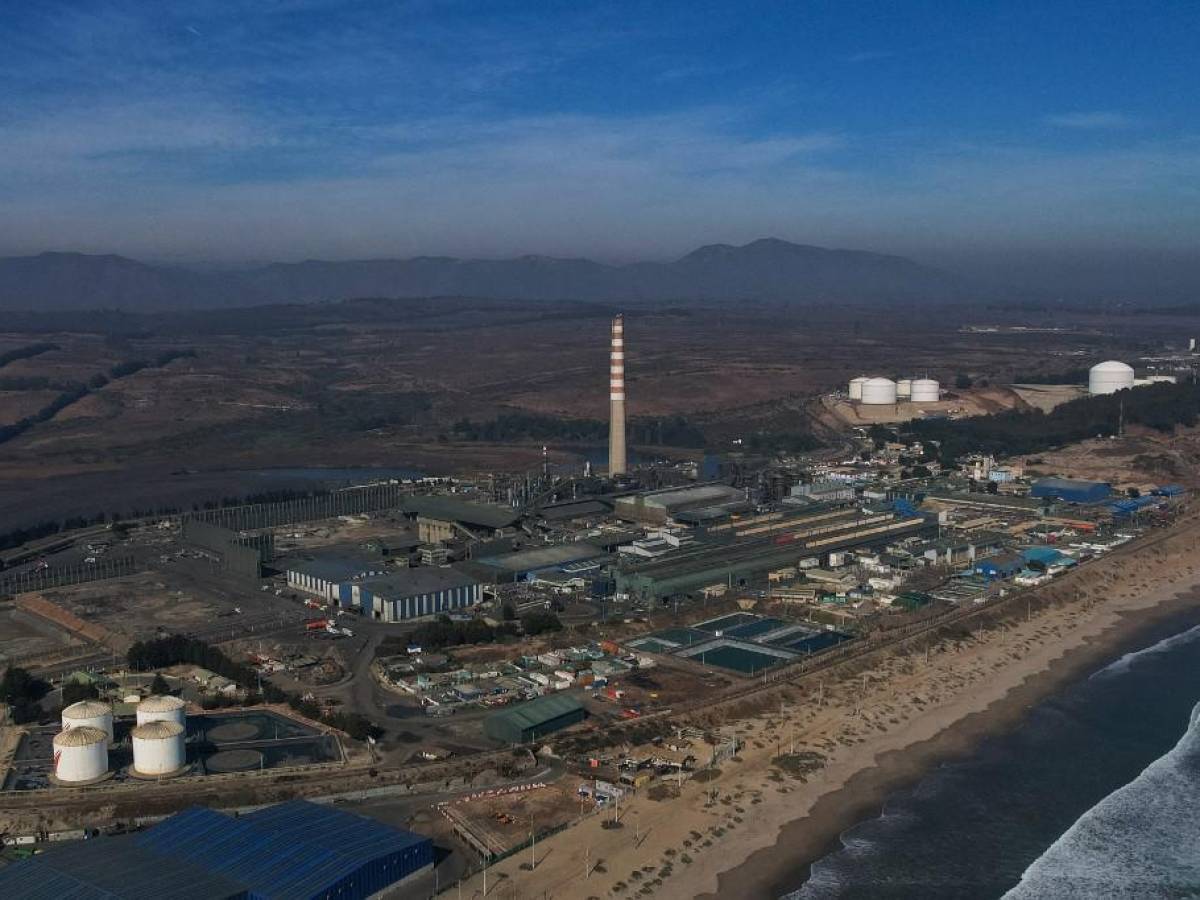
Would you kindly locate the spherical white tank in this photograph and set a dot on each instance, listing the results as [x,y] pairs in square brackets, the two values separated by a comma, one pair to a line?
[80,754]
[90,713]
[925,390]
[904,388]
[1109,377]
[161,709]
[856,386]
[158,748]
[878,391]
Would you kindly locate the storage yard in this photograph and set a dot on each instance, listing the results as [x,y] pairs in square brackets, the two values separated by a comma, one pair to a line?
[209,744]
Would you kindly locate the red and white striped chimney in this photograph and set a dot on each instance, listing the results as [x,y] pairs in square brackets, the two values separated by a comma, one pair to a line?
[616,399]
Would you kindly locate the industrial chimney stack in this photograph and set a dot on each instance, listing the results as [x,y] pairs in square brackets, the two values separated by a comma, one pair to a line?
[616,399]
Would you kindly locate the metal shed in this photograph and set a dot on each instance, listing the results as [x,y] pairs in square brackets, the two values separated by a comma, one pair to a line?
[529,721]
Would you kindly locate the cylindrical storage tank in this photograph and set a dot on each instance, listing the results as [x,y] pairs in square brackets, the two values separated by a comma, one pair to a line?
[163,708]
[89,713]
[904,388]
[80,754]
[1109,377]
[158,748]
[856,385]
[925,390]
[878,391]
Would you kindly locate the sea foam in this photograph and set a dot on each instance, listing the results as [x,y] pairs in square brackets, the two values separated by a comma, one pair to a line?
[1118,666]
[1141,841]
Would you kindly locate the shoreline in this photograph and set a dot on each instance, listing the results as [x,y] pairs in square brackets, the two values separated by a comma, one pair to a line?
[773,871]
[753,829]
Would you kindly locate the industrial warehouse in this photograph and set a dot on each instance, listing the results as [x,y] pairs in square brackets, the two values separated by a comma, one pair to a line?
[294,850]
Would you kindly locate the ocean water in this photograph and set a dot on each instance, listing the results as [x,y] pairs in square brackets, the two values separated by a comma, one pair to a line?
[1095,794]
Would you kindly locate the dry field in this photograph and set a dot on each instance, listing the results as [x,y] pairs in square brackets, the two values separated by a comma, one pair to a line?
[381,384]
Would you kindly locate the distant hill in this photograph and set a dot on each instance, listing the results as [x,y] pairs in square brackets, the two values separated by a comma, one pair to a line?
[768,269]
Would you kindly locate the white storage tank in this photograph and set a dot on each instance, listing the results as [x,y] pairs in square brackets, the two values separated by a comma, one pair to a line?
[89,713]
[904,388]
[926,390]
[80,754]
[1109,377]
[856,386]
[164,708]
[158,748]
[878,391]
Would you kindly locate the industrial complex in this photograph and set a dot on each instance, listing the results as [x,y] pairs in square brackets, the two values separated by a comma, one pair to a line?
[422,648]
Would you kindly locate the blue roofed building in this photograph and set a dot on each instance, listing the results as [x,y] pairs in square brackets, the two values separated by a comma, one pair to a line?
[1070,490]
[1047,558]
[294,851]
[1002,565]
[331,575]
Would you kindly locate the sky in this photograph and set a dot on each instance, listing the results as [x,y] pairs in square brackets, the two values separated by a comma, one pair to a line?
[250,130]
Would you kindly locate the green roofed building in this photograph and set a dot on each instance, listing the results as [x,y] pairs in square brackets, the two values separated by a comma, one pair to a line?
[529,721]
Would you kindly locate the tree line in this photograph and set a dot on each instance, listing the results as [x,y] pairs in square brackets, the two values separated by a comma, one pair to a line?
[26,352]
[179,649]
[1162,407]
[77,392]
[445,632]
[509,427]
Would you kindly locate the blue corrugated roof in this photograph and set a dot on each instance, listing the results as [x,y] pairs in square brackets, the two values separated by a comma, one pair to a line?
[285,851]
[113,868]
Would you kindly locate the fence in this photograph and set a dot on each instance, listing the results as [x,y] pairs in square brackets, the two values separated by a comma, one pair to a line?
[345,502]
[78,573]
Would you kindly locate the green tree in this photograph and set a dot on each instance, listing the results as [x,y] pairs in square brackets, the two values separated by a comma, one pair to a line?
[74,691]
[159,685]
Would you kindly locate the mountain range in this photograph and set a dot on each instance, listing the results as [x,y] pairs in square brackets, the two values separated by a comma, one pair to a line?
[764,270]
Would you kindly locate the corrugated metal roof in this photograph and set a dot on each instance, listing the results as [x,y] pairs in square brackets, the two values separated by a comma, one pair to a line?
[544,557]
[292,850]
[336,567]
[419,580]
[113,868]
[537,712]
[451,510]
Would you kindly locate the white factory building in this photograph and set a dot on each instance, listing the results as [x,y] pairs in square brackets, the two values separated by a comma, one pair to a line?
[412,593]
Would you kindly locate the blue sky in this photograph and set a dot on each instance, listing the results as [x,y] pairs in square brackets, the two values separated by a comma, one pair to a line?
[253,129]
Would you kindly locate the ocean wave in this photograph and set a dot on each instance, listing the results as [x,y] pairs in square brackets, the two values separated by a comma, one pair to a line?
[1118,666]
[1138,842]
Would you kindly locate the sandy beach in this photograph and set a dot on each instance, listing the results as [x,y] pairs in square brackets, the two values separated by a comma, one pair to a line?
[746,833]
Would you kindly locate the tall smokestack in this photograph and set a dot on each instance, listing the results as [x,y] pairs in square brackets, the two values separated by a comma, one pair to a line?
[616,399]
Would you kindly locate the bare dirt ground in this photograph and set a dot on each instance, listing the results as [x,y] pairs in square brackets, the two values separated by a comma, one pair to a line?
[1140,459]
[957,404]
[273,389]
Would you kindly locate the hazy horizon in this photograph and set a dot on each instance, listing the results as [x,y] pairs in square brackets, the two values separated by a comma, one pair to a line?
[232,132]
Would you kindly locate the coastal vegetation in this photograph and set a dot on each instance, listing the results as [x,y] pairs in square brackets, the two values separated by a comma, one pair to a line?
[1162,407]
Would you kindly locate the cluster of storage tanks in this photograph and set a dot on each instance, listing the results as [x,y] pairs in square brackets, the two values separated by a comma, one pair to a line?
[81,748]
[881,391]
